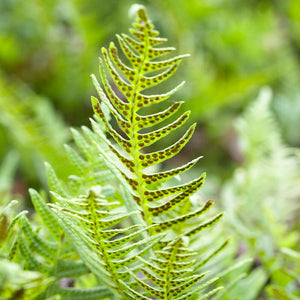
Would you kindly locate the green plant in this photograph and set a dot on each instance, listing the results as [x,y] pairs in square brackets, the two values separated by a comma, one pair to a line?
[118,216]
[25,129]
[266,218]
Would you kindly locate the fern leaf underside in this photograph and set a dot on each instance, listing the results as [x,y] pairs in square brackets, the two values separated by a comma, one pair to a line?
[125,103]
[143,254]
[124,93]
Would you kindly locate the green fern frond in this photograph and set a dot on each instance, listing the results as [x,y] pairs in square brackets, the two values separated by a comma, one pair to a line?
[46,251]
[127,155]
[133,81]
[114,216]
[170,274]
[115,248]
[49,219]
[34,137]
[43,247]
[273,166]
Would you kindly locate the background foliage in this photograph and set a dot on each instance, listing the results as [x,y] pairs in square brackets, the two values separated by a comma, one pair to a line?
[250,147]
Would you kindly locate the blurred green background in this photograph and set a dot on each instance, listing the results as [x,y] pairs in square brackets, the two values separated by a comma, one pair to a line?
[49,48]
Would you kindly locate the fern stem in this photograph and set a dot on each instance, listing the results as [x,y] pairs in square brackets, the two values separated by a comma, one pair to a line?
[135,152]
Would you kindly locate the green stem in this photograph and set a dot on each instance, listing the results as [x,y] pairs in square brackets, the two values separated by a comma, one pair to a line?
[135,152]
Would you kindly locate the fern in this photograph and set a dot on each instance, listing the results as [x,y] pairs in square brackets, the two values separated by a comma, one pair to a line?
[271,210]
[34,137]
[134,134]
[134,80]
[15,283]
[56,256]
[49,252]
[114,217]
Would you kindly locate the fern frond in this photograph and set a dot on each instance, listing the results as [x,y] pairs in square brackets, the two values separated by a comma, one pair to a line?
[33,137]
[114,216]
[46,251]
[124,93]
[170,274]
[43,247]
[49,219]
[133,81]
[114,248]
